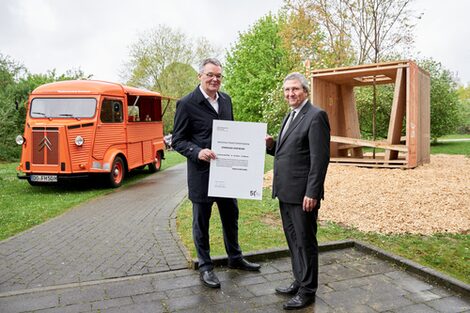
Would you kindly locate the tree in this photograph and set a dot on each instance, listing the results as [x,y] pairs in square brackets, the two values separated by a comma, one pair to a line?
[158,48]
[445,103]
[303,38]
[364,97]
[254,67]
[16,85]
[464,96]
[361,31]
[332,20]
[176,80]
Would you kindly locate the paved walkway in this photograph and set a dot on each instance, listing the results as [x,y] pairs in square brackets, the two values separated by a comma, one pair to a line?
[119,253]
[127,232]
[351,281]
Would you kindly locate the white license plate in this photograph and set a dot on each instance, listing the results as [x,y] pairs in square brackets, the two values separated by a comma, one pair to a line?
[44,178]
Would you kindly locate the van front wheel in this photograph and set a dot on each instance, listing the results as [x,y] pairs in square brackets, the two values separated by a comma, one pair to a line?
[156,165]
[116,176]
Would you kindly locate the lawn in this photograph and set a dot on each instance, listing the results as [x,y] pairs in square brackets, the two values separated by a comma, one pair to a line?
[23,206]
[451,147]
[455,136]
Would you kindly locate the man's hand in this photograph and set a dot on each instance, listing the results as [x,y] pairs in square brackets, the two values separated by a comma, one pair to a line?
[269,141]
[309,204]
[206,155]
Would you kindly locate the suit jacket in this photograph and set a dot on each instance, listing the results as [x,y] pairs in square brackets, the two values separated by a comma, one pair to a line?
[192,132]
[301,157]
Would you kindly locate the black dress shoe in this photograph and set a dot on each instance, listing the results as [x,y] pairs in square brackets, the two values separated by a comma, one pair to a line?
[291,290]
[245,265]
[209,279]
[299,301]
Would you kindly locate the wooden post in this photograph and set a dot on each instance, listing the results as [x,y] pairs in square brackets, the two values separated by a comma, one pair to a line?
[351,120]
[397,114]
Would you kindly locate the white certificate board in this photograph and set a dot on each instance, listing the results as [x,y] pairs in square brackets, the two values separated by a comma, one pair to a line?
[238,170]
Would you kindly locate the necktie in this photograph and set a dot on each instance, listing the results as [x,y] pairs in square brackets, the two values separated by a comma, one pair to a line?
[289,121]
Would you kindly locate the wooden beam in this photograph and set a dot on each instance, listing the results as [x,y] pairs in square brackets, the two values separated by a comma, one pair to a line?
[397,115]
[368,143]
[351,119]
[373,165]
[376,66]
[361,71]
[366,160]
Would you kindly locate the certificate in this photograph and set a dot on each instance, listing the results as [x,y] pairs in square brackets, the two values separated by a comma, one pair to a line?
[238,170]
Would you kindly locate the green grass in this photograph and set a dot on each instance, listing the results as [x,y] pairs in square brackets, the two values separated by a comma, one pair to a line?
[260,228]
[23,206]
[454,147]
[454,136]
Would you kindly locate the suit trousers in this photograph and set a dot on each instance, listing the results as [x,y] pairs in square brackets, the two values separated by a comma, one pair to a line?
[228,211]
[300,228]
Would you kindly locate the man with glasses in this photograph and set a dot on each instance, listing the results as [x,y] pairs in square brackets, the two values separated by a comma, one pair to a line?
[192,134]
[301,157]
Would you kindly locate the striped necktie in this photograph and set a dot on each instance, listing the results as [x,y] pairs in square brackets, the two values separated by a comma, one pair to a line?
[289,121]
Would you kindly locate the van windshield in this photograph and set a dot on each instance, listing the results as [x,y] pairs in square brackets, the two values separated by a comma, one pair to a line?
[63,107]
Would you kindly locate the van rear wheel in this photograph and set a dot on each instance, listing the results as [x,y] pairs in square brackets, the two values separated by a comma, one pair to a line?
[156,165]
[116,176]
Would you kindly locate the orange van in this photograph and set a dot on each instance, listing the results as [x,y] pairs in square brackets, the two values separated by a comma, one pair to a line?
[82,127]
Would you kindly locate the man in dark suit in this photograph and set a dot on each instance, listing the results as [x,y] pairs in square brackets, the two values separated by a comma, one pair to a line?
[192,134]
[301,157]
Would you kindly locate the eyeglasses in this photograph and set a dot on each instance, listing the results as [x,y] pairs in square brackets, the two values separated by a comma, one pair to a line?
[212,75]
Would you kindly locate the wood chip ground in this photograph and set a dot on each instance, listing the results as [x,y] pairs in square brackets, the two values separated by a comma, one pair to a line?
[433,198]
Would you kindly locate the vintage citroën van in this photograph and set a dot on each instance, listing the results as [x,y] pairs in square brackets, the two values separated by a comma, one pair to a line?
[83,127]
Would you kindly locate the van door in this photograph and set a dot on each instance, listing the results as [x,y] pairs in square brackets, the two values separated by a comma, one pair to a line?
[110,132]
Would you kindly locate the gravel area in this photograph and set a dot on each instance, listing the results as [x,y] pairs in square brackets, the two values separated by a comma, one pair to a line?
[433,198]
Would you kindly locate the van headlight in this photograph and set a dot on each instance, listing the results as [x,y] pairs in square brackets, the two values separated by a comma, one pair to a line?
[79,141]
[20,140]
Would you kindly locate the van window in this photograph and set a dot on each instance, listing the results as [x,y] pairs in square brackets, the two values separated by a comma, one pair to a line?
[63,107]
[111,111]
[144,109]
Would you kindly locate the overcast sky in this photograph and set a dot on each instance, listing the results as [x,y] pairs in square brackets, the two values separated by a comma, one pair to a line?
[95,35]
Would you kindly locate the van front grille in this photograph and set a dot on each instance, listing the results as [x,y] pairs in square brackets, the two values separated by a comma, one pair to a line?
[45,145]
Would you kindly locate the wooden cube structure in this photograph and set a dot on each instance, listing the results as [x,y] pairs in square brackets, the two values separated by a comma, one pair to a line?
[333,91]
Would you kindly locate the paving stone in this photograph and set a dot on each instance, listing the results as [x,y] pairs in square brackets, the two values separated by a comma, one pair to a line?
[266,300]
[111,303]
[280,276]
[388,303]
[415,308]
[194,302]
[354,308]
[357,282]
[408,282]
[149,297]
[81,295]
[24,303]
[384,291]
[450,304]
[128,289]
[341,271]
[228,294]
[153,307]
[73,308]
[423,296]
[345,298]
[177,293]
[246,280]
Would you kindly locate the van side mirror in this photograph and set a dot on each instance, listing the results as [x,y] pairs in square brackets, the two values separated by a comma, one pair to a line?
[16,105]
